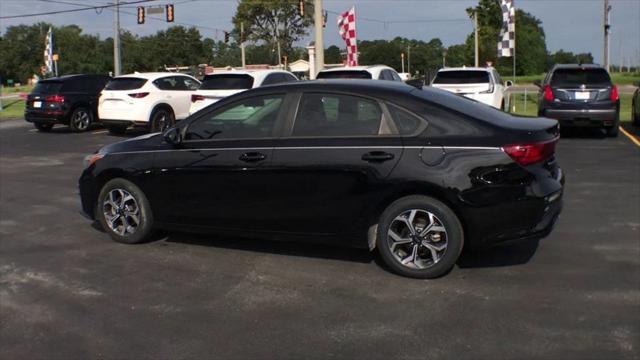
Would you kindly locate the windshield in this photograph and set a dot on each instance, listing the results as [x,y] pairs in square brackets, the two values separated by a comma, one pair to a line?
[577,77]
[462,77]
[125,83]
[345,74]
[47,87]
[227,82]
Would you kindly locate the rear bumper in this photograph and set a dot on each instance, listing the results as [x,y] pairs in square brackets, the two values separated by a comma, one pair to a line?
[50,117]
[583,117]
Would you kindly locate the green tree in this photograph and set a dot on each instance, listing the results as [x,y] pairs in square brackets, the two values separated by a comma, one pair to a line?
[332,55]
[272,21]
[21,51]
[457,55]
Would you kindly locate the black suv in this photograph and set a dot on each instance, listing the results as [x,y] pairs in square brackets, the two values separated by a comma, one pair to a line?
[580,96]
[71,100]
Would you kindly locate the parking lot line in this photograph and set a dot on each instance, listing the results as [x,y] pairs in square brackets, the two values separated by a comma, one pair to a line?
[631,137]
[100,132]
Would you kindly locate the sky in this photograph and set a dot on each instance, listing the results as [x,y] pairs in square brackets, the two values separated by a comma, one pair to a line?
[572,25]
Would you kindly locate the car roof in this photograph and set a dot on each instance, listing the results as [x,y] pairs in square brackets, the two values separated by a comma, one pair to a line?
[72,76]
[577,66]
[258,75]
[359,68]
[151,75]
[466,69]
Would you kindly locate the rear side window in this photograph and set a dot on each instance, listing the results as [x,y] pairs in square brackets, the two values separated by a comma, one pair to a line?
[227,82]
[461,77]
[47,87]
[577,77]
[407,123]
[345,74]
[125,83]
[322,115]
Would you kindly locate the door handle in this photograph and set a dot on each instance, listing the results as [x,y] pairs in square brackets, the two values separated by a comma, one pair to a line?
[377,156]
[252,157]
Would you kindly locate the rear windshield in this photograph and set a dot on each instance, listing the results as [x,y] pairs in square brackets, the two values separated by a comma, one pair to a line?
[47,87]
[125,83]
[345,74]
[573,77]
[461,77]
[227,82]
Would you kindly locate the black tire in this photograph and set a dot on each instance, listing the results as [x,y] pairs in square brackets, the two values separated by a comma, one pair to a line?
[635,115]
[81,119]
[613,131]
[124,212]
[443,215]
[43,127]
[161,120]
[117,129]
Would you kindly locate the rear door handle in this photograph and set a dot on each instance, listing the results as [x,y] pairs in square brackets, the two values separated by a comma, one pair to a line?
[377,156]
[252,157]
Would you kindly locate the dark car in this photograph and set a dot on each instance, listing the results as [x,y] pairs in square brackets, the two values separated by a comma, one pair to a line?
[635,105]
[417,174]
[70,100]
[580,95]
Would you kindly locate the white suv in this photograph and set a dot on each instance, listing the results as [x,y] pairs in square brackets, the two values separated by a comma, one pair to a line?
[156,100]
[481,84]
[374,72]
[225,83]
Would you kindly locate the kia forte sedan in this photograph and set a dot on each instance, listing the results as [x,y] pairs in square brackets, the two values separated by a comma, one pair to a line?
[417,175]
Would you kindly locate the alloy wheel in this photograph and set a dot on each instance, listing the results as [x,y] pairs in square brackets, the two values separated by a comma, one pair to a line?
[121,212]
[417,239]
[81,120]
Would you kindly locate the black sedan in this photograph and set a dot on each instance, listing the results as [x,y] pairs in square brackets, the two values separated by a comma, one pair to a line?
[417,174]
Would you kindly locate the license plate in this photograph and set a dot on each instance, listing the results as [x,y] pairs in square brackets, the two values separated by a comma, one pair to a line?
[37,104]
[582,95]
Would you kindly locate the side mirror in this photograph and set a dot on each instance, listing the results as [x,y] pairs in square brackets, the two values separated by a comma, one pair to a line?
[537,83]
[508,83]
[173,136]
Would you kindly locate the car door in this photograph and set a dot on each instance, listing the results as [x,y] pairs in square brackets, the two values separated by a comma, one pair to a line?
[185,86]
[332,162]
[220,175]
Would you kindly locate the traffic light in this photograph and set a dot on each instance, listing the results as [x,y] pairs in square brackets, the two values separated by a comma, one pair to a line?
[170,14]
[226,37]
[301,8]
[140,14]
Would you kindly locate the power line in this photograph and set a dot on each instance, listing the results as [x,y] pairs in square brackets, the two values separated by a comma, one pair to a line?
[72,10]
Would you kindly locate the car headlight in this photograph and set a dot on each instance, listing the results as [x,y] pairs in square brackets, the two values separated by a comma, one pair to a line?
[91,159]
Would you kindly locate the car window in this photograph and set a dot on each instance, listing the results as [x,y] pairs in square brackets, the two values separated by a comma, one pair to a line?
[271,79]
[168,83]
[246,119]
[288,77]
[189,83]
[577,77]
[227,82]
[407,123]
[321,115]
[497,77]
[344,74]
[461,77]
[125,83]
[395,76]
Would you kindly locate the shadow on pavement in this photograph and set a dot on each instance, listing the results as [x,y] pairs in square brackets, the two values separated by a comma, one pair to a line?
[507,254]
[631,129]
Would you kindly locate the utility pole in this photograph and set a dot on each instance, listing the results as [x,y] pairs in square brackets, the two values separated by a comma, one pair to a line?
[607,9]
[409,58]
[318,20]
[402,60]
[278,44]
[116,40]
[475,26]
[244,64]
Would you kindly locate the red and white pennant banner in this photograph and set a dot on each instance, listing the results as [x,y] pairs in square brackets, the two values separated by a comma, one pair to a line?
[347,29]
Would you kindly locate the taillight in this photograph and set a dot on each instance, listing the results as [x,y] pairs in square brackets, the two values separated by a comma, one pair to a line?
[54,98]
[548,93]
[527,154]
[614,94]
[138,95]
[195,98]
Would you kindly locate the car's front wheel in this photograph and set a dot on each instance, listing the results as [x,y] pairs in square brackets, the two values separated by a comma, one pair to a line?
[419,237]
[161,120]
[124,212]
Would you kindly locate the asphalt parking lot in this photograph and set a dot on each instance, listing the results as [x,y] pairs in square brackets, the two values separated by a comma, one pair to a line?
[68,292]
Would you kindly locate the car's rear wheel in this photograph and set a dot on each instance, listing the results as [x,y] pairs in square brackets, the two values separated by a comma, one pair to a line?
[117,129]
[43,127]
[419,237]
[161,120]
[81,119]
[635,115]
[124,212]
[613,131]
